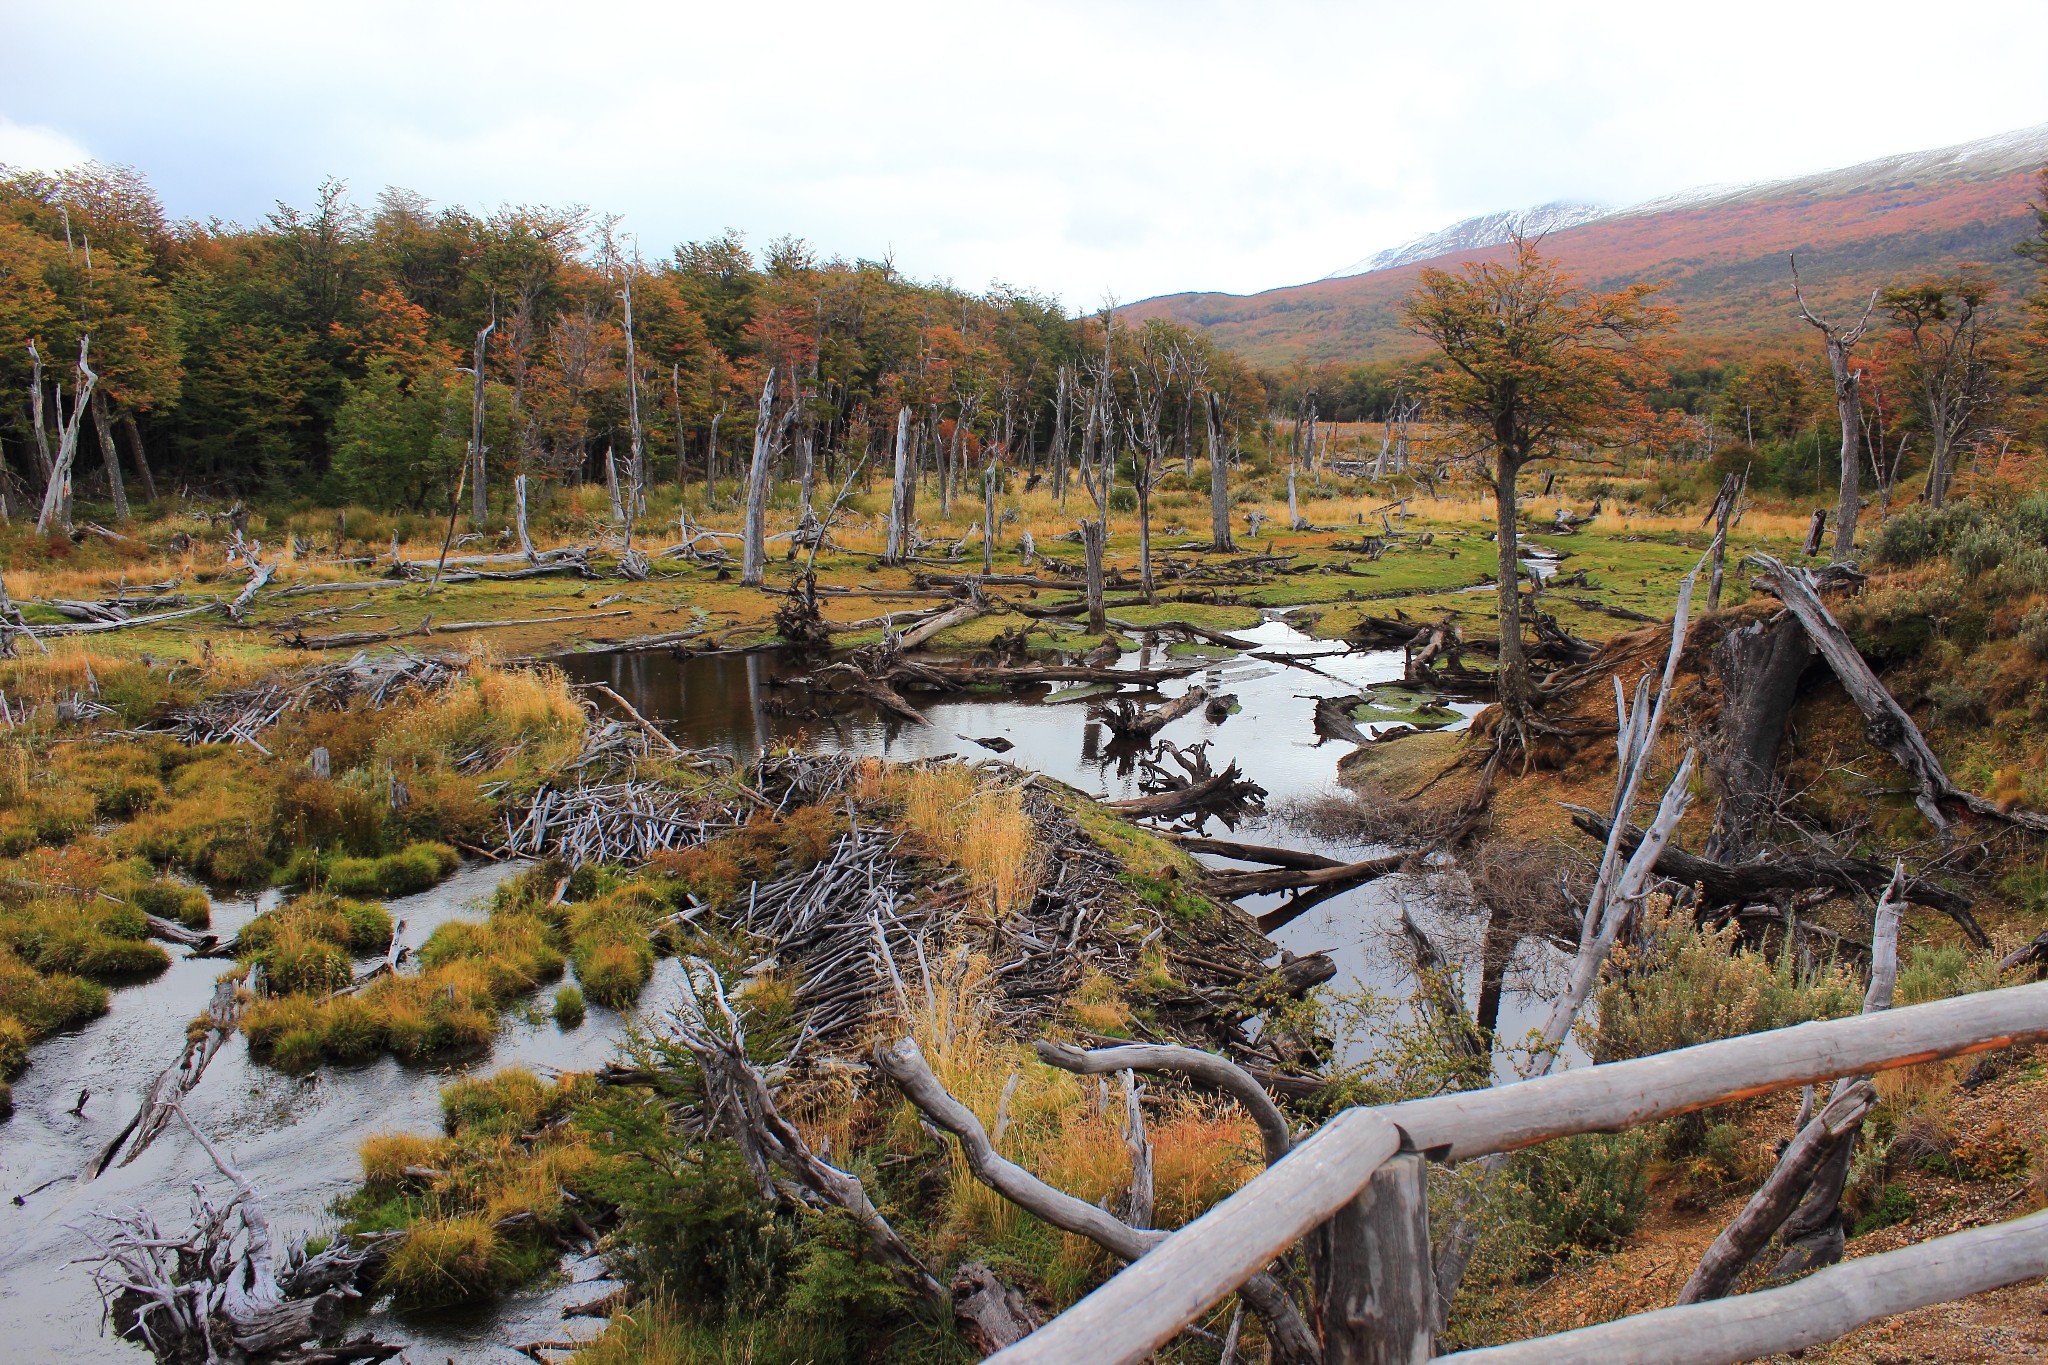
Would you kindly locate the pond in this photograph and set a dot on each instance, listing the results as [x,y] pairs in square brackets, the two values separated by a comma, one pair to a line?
[297,1138]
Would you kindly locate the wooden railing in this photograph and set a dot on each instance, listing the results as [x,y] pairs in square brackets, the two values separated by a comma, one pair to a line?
[1362,1175]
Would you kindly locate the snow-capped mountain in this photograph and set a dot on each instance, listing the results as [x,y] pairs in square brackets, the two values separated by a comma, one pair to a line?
[1488,229]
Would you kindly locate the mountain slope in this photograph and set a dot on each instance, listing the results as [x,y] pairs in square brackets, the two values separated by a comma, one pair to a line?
[1723,251]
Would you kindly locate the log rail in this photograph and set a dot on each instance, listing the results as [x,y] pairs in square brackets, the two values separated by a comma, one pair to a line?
[1335,1178]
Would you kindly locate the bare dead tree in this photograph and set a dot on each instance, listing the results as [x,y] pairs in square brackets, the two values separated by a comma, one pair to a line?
[753,553]
[103,427]
[1219,478]
[1839,342]
[479,505]
[57,497]
[1097,466]
[902,495]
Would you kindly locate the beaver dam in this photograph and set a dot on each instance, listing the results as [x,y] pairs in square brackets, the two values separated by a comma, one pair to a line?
[480,873]
[439,1008]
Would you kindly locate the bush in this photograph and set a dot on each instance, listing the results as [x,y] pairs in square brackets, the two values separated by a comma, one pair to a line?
[413,868]
[1579,1195]
[13,1047]
[1683,986]
[1979,550]
[1893,1204]
[1921,533]
[568,1007]
[44,1004]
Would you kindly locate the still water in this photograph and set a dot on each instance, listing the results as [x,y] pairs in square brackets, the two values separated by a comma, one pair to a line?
[297,1138]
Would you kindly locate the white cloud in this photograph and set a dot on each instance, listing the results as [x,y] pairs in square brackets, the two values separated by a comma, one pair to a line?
[33,147]
[1108,146]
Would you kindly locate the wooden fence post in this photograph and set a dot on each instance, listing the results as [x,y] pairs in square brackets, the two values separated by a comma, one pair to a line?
[1377,1290]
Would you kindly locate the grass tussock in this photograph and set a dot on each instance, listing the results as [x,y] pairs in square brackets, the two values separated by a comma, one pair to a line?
[482,1206]
[974,822]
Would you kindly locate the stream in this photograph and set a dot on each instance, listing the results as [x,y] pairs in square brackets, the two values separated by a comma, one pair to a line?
[297,1138]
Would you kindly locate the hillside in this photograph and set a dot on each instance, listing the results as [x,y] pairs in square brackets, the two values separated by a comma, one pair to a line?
[1723,251]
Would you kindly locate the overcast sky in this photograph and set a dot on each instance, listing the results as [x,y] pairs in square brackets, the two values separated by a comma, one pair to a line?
[1075,148]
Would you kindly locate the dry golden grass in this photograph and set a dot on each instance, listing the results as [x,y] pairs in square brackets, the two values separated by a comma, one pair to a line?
[975,822]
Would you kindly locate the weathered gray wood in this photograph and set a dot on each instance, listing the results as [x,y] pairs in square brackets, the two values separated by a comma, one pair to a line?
[1739,1242]
[1375,1292]
[526,550]
[1219,480]
[1205,1068]
[57,497]
[1142,1307]
[1889,726]
[1149,1302]
[479,506]
[1819,1308]
[902,496]
[904,1064]
[945,620]
[753,551]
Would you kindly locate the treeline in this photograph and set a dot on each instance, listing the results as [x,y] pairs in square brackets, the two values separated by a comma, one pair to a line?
[1947,363]
[327,352]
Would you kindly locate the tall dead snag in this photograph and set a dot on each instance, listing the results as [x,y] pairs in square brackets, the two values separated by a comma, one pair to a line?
[1059,442]
[1098,466]
[902,495]
[1219,480]
[57,495]
[519,519]
[1815,1164]
[637,503]
[103,426]
[1889,726]
[1722,515]
[479,504]
[1839,342]
[753,553]
[988,518]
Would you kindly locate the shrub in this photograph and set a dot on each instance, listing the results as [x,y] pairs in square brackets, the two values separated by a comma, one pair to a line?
[2033,634]
[1683,986]
[444,1261]
[613,972]
[1582,1194]
[1921,533]
[568,1007]
[414,868]
[13,1047]
[1979,550]
[1893,1204]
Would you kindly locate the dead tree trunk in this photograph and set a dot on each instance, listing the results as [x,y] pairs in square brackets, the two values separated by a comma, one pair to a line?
[1219,481]
[753,552]
[141,458]
[1839,342]
[1759,666]
[902,495]
[1724,511]
[45,462]
[988,519]
[103,425]
[519,518]
[1889,725]
[711,458]
[479,504]
[57,497]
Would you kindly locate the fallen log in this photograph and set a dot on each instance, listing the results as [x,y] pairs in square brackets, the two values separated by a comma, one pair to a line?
[1741,883]
[1333,720]
[1132,724]
[1254,853]
[1226,791]
[1214,637]
[353,639]
[1236,885]
[1019,674]
[945,620]
[1889,727]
